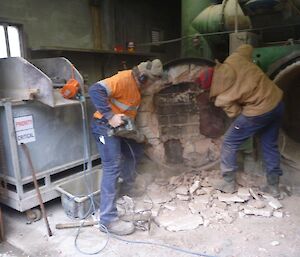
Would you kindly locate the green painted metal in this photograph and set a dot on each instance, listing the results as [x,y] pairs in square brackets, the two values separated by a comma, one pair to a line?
[221,17]
[209,20]
[265,56]
[202,16]
[189,10]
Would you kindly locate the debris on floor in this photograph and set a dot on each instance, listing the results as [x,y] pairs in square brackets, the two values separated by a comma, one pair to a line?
[187,201]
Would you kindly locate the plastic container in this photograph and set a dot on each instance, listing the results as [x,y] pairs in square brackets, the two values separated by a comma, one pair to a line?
[77,194]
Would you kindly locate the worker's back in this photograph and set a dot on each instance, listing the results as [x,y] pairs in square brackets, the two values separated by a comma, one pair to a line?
[240,86]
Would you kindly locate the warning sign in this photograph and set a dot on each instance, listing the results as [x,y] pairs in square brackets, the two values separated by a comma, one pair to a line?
[24,129]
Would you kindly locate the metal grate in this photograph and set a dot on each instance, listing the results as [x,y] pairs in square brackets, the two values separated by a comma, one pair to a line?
[156,37]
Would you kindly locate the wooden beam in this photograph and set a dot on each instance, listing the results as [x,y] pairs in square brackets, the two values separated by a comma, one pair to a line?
[96,23]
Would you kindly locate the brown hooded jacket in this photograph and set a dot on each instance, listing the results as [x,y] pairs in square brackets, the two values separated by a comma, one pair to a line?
[240,86]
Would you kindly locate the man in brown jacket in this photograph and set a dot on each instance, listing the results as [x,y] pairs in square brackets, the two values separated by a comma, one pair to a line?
[243,91]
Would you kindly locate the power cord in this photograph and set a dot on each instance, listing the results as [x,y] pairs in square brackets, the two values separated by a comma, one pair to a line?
[220,32]
[178,249]
[86,168]
[108,235]
[102,228]
[139,223]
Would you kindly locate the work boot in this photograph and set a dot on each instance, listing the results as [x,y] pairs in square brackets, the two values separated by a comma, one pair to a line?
[119,228]
[227,184]
[272,186]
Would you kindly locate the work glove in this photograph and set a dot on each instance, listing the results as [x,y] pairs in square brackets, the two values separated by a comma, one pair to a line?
[116,120]
[205,78]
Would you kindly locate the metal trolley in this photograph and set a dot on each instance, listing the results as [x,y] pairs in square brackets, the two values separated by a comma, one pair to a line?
[32,111]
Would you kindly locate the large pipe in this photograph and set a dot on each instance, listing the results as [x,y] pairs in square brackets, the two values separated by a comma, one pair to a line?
[221,17]
[189,10]
[236,18]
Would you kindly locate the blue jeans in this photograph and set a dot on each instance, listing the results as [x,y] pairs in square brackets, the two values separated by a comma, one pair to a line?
[118,157]
[267,127]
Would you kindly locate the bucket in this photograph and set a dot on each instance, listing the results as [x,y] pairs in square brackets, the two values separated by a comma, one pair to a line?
[79,194]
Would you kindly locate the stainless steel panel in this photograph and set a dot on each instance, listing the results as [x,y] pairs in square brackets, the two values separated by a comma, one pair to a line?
[20,80]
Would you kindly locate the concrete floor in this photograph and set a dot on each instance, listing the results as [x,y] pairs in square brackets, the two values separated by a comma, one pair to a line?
[249,236]
[246,237]
[8,250]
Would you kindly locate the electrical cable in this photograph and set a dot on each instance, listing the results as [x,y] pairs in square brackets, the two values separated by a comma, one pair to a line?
[145,189]
[86,160]
[213,34]
[103,228]
[97,251]
[175,248]
[86,140]
[87,156]
[86,169]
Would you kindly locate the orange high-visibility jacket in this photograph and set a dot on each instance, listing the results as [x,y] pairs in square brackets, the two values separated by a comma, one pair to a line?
[123,94]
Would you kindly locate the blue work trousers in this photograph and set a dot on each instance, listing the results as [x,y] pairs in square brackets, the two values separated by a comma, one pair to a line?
[267,127]
[118,157]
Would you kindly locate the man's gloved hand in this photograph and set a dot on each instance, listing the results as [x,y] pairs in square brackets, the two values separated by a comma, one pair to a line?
[116,120]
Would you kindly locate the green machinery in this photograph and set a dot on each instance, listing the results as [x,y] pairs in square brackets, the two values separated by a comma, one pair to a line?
[214,28]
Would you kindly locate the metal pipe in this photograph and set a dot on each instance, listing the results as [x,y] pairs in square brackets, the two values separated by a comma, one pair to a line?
[221,33]
[27,154]
[189,10]
[87,149]
[7,41]
[86,138]
[221,17]
[77,224]
[236,22]
[13,146]
[223,13]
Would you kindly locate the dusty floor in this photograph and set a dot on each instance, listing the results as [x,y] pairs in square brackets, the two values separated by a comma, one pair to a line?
[247,236]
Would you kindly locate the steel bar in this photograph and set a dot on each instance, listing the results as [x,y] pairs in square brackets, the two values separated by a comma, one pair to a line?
[27,153]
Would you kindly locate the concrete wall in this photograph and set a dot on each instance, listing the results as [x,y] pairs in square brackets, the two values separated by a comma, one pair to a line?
[78,24]
[69,23]
[134,21]
[52,23]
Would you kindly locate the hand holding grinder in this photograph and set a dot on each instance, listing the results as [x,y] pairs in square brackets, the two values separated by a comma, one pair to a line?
[127,130]
[128,125]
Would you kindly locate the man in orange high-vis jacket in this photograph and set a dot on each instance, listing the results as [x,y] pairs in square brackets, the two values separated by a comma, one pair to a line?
[114,98]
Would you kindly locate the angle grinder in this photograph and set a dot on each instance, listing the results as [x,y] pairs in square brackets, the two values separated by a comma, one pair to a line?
[127,130]
[128,125]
